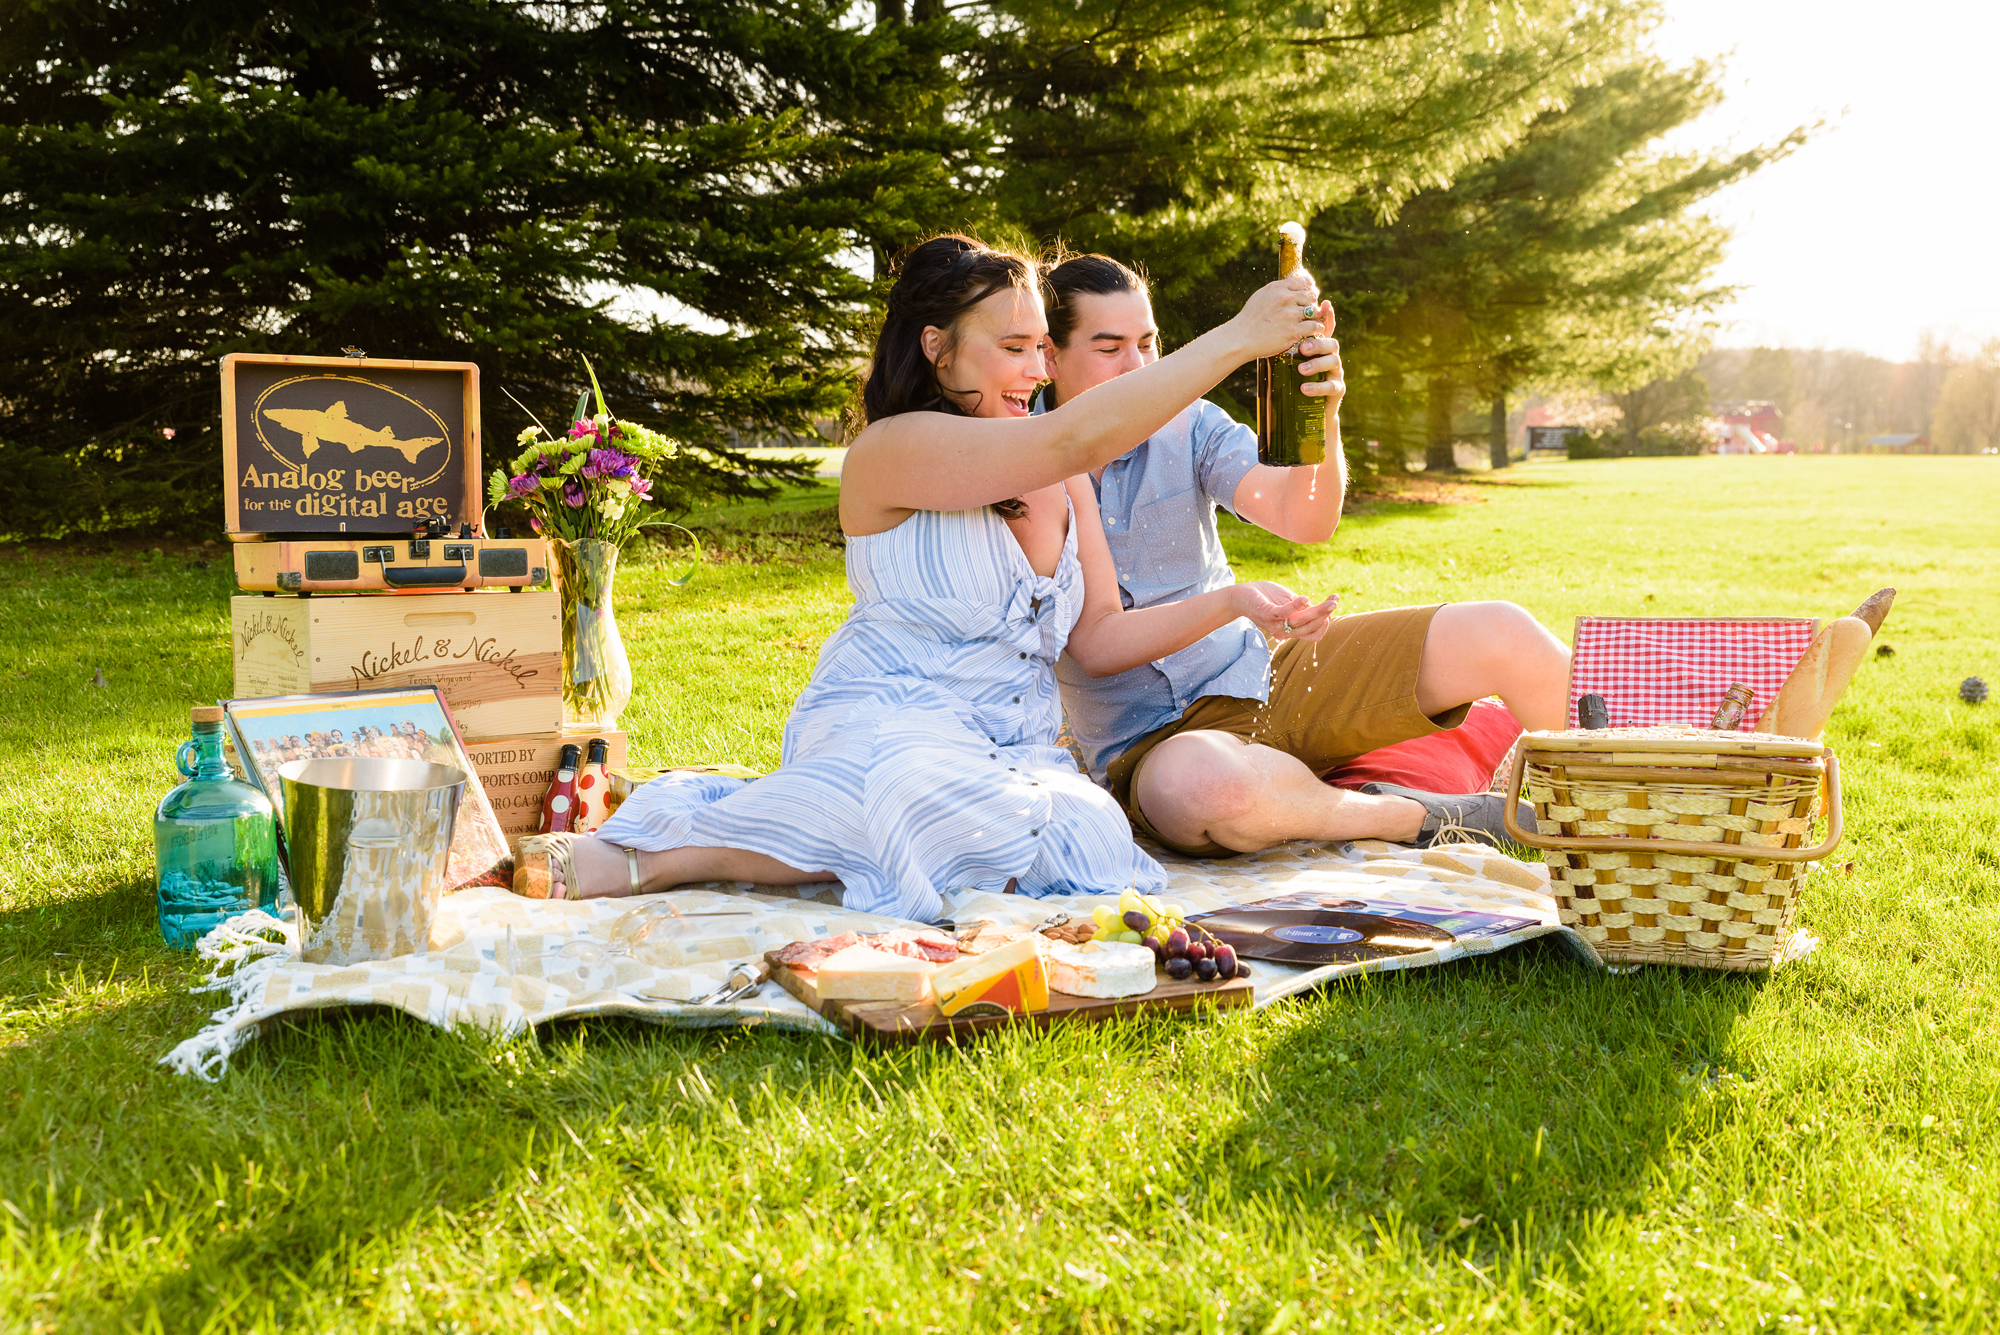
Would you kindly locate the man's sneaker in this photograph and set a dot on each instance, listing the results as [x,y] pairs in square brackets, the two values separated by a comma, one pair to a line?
[1458,817]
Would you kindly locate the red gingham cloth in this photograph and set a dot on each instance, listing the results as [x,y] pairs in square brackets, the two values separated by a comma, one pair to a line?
[1674,669]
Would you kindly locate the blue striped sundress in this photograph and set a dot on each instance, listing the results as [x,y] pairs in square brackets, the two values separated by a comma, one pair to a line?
[922,757]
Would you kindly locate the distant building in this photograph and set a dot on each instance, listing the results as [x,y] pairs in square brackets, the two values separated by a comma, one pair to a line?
[1750,426]
[1897,444]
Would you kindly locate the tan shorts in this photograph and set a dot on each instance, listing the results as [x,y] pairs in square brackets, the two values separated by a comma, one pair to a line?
[1352,693]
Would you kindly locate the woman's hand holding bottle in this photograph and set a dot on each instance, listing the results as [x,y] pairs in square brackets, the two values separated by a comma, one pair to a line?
[1281,614]
[1277,316]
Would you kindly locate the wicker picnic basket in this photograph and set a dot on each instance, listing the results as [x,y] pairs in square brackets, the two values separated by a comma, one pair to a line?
[1676,845]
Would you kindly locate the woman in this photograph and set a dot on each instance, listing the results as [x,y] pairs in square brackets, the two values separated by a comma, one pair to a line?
[922,756]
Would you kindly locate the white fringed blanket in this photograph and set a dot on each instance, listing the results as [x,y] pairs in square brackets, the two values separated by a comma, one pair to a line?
[494,958]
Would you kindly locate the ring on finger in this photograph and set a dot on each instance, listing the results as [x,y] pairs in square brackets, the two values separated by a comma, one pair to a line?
[1288,625]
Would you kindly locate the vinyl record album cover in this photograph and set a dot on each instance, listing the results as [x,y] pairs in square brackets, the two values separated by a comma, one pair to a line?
[412,723]
[1322,929]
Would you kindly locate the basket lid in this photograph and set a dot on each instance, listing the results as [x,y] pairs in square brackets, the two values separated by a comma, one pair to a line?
[1674,741]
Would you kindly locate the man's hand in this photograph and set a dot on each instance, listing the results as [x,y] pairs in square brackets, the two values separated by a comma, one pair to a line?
[1303,504]
[1281,614]
[1323,354]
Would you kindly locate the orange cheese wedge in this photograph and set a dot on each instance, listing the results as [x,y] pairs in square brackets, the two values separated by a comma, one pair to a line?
[1014,978]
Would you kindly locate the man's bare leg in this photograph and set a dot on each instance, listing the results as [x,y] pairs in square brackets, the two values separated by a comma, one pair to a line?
[601,869]
[1473,650]
[1201,787]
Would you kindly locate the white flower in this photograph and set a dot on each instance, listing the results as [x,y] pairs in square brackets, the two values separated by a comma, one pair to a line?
[528,433]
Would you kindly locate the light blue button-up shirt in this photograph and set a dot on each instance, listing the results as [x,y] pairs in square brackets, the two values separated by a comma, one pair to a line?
[1159,505]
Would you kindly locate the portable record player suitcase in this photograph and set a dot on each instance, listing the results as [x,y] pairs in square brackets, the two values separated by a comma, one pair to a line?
[338,445]
[365,565]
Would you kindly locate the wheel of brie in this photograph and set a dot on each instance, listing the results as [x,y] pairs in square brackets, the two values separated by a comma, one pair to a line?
[1101,969]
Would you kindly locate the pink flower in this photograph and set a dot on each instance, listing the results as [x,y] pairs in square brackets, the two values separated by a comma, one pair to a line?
[524,484]
[642,488]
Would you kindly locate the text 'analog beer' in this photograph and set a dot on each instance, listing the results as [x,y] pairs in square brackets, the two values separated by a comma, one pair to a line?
[1291,425]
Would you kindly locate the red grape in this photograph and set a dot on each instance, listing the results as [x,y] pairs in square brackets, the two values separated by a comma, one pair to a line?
[1205,970]
[1177,943]
[1197,951]
[1225,960]
[1178,967]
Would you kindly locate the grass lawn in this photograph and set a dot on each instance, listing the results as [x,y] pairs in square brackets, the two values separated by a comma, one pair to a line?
[1508,1143]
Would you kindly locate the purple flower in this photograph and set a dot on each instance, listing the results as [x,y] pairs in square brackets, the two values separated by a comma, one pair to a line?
[534,523]
[524,484]
[572,494]
[608,463]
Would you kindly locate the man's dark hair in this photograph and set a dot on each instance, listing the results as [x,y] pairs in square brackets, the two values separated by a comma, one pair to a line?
[1084,275]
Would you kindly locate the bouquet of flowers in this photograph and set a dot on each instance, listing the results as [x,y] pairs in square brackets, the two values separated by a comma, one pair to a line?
[586,484]
[585,494]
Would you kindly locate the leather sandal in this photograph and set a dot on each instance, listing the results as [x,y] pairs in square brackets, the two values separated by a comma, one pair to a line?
[544,857]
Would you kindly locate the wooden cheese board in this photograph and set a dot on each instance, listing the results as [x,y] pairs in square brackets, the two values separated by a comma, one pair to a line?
[896,1022]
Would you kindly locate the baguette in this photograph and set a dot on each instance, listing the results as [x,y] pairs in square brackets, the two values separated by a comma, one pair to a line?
[1875,609]
[1850,636]
[1806,683]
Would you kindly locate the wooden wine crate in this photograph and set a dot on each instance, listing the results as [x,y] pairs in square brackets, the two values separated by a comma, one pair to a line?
[496,656]
[515,771]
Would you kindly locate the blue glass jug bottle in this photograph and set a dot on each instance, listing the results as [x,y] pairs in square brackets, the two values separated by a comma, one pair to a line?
[217,841]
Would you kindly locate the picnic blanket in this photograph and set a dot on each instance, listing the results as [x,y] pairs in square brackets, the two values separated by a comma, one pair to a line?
[498,961]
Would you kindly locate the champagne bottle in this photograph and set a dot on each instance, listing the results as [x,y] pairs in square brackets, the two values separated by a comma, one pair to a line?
[1291,425]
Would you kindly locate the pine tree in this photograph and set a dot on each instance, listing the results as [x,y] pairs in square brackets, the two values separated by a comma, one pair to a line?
[1572,259]
[1178,136]
[671,188]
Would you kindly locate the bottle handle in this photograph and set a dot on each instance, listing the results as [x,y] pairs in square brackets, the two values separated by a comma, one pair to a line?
[182,760]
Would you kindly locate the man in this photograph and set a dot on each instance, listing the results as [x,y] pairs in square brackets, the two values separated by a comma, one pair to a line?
[1219,748]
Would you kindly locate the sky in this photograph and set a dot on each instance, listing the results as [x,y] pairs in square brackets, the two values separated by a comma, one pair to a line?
[1887,223]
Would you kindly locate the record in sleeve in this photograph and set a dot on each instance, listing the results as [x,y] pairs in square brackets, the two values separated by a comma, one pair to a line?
[1321,936]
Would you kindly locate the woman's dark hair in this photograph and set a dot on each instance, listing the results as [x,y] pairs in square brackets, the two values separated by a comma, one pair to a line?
[1084,275]
[937,285]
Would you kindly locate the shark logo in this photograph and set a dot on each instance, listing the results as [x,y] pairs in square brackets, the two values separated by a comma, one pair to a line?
[332,425]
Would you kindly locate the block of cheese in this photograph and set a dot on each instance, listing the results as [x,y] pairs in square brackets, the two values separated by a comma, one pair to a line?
[1013,978]
[1101,969]
[863,973]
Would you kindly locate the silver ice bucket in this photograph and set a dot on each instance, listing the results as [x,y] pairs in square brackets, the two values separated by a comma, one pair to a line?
[366,840]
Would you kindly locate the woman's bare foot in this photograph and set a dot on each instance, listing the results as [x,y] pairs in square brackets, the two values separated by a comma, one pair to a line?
[602,869]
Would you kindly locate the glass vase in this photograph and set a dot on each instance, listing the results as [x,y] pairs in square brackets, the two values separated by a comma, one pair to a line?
[216,839]
[597,677]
